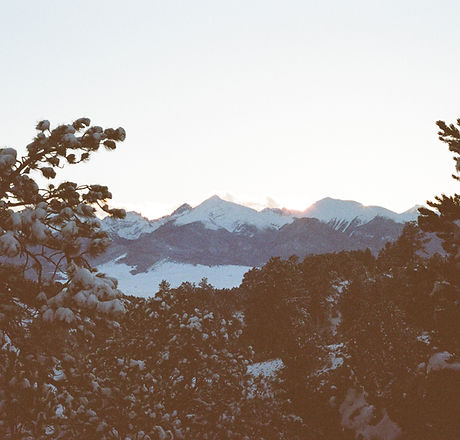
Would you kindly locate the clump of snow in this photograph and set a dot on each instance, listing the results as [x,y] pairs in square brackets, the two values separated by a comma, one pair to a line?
[43,125]
[86,289]
[6,343]
[69,230]
[64,314]
[48,315]
[7,158]
[339,287]
[9,246]
[137,363]
[336,358]
[58,374]
[239,316]
[162,435]
[60,411]
[113,306]
[39,231]
[357,415]
[425,338]
[194,323]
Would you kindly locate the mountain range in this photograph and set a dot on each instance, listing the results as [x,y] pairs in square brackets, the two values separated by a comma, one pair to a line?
[221,240]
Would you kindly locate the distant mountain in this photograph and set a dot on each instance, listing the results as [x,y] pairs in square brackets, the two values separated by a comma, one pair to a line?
[340,211]
[223,238]
[216,213]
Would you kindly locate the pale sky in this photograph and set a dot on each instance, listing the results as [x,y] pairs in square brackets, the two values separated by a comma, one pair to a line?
[269,102]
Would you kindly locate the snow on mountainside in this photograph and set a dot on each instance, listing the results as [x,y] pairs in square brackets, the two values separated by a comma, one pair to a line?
[221,240]
[216,213]
[131,227]
[145,284]
[134,224]
[329,209]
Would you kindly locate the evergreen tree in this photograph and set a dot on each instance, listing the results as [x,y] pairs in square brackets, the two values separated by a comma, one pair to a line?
[406,252]
[444,217]
[49,230]
[444,220]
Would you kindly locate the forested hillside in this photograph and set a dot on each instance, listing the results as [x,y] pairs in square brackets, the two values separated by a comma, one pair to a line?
[333,346]
[343,345]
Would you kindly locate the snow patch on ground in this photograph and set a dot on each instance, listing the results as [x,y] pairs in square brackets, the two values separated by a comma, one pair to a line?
[358,415]
[146,283]
[336,358]
[442,361]
[262,376]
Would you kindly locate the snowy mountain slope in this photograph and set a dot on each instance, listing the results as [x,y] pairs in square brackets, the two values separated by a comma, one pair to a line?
[135,224]
[216,213]
[145,284]
[345,211]
[193,247]
[221,240]
[131,227]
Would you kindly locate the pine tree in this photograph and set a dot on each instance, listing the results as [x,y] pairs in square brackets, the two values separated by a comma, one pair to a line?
[54,229]
[444,217]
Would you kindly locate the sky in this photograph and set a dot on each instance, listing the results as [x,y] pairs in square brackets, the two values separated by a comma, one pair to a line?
[268,103]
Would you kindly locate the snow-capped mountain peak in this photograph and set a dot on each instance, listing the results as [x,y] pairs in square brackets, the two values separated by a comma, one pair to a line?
[329,209]
[225,239]
[181,210]
[216,213]
[131,227]
[411,213]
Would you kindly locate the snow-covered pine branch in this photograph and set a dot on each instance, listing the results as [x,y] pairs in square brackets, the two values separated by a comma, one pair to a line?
[53,230]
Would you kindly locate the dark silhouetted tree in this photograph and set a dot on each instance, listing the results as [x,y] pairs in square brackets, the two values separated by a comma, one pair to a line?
[444,217]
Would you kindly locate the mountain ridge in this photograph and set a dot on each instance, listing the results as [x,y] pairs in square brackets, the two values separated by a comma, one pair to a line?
[216,213]
[221,240]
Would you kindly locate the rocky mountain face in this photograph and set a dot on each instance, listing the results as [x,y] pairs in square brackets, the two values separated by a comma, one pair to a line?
[194,243]
[221,233]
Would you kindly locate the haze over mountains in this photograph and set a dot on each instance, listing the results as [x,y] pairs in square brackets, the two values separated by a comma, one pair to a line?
[221,240]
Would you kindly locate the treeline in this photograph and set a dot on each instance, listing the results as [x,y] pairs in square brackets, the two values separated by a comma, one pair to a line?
[395,319]
[383,330]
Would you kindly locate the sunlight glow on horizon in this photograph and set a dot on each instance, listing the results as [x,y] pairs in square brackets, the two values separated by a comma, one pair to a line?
[153,211]
[266,103]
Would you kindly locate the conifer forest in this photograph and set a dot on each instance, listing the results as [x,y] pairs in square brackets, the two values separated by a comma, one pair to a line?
[346,345]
